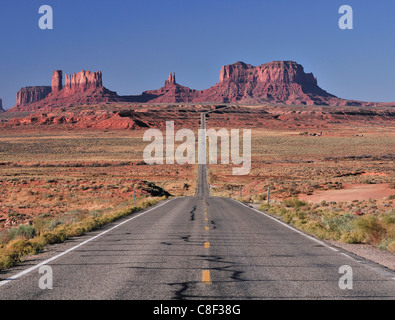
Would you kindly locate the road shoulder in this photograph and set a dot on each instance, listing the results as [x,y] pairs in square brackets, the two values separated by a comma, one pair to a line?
[369,252]
[366,251]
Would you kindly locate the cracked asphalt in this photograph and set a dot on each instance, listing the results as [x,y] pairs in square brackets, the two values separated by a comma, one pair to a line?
[162,255]
[196,248]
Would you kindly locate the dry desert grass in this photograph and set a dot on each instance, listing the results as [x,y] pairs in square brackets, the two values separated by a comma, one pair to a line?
[55,185]
[58,174]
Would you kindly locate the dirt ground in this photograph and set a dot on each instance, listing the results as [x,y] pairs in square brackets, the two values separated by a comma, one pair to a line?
[320,153]
[351,192]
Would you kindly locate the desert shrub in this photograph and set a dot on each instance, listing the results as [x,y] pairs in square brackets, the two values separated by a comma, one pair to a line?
[288,217]
[353,236]
[318,229]
[388,219]
[369,181]
[371,227]
[52,237]
[277,211]
[54,223]
[21,246]
[14,251]
[37,243]
[339,222]
[294,203]
[23,231]
[13,214]
[264,207]
[388,223]
[383,245]
[391,246]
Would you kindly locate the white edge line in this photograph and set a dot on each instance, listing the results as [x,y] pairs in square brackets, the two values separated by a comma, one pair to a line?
[22,273]
[348,256]
[290,227]
[307,236]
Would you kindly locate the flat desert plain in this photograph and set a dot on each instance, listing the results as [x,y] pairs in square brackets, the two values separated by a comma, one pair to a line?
[339,160]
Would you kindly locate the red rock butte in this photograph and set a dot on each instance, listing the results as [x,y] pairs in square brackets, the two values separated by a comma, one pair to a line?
[282,82]
[171,80]
[57,78]
[85,87]
[29,95]
[83,81]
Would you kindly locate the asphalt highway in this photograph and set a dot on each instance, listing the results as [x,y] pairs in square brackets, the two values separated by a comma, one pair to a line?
[198,247]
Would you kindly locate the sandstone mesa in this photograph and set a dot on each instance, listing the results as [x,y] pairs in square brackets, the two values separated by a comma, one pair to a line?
[282,82]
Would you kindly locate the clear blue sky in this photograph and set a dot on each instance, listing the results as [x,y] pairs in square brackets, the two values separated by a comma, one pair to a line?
[137,43]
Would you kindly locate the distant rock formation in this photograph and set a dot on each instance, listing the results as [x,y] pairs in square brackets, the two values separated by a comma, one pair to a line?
[83,81]
[57,81]
[30,95]
[281,82]
[171,80]
[82,88]
[172,92]
[276,82]
[1,106]
[308,120]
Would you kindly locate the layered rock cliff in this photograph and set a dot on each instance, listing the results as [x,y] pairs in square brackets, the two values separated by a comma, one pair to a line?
[275,82]
[81,88]
[30,95]
[57,81]
[83,81]
[283,82]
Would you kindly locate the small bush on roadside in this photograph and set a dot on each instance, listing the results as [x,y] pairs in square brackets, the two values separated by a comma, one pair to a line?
[352,237]
[330,224]
[294,203]
[371,227]
[23,240]
[23,231]
[391,246]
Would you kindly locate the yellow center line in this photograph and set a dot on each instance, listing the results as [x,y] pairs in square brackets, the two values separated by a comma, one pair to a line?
[206,219]
[206,279]
[207,228]
[207,245]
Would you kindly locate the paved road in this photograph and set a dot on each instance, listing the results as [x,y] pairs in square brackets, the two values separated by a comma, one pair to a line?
[198,247]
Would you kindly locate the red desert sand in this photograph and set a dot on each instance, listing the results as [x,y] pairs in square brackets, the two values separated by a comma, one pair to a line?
[352,192]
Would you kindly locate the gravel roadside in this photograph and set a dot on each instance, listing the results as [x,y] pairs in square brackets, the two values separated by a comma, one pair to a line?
[369,252]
